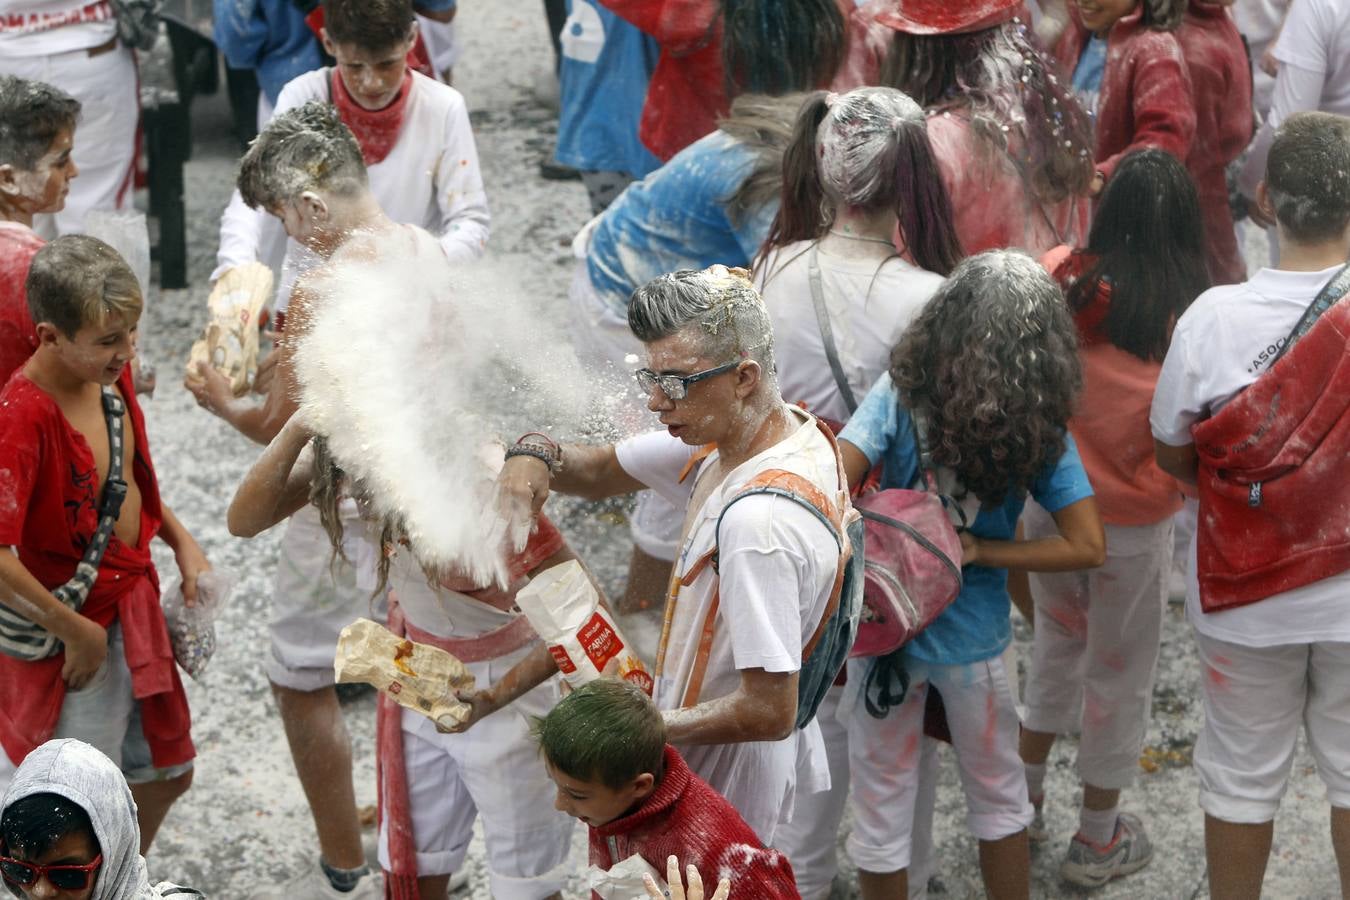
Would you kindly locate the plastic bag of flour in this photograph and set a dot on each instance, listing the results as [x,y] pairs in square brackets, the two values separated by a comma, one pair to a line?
[564,607]
[192,629]
[624,881]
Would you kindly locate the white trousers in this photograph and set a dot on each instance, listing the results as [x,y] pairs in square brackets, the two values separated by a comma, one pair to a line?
[1095,649]
[886,759]
[105,134]
[1255,698]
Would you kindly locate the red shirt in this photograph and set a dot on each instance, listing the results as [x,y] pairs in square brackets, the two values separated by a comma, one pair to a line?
[1221,86]
[18,338]
[684,817]
[49,496]
[1145,98]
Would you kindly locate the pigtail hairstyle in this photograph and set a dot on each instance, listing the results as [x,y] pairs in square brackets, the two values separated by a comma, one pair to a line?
[1016,103]
[1147,240]
[992,364]
[922,204]
[802,212]
[780,46]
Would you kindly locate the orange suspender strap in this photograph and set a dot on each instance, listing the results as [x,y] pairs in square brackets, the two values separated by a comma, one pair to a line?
[777,481]
[673,589]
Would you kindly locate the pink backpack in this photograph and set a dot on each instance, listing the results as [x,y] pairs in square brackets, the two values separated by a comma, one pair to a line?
[911,569]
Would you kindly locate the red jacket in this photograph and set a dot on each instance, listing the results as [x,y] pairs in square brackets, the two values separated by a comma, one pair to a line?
[687,92]
[687,819]
[1145,98]
[1221,87]
[1274,502]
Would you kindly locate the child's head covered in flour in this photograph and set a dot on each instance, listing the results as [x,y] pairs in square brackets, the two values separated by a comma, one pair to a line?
[992,364]
[37,130]
[866,151]
[1307,184]
[306,169]
[604,747]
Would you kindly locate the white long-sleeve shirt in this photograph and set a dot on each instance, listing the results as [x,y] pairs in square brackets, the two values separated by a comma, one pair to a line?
[430,178]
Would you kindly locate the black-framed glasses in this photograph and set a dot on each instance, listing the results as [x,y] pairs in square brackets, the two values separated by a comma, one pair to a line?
[63,878]
[676,387]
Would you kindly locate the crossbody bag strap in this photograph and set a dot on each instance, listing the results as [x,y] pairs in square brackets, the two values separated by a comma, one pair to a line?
[827,332]
[928,472]
[75,591]
[1335,289]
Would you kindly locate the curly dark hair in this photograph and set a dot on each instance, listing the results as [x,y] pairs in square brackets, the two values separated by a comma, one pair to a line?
[992,366]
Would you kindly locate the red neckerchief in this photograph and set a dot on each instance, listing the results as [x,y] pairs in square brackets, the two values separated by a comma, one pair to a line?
[376,130]
[1091,318]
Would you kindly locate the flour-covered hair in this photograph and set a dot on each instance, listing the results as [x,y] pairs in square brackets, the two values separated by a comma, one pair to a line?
[1308,176]
[719,304]
[78,280]
[32,114]
[1016,102]
[866,150]
[303,149]
[992,364]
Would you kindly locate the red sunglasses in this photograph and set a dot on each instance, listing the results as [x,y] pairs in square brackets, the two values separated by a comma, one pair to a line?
[64,878]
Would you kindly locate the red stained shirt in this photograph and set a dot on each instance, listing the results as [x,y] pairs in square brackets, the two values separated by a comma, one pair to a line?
[49,496]
[684,817]
[1221,87]
[1145,96]
[18,338]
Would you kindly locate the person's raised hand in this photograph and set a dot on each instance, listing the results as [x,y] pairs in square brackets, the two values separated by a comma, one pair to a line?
[482,704]
[210,388]
[676,888]
[86,649]
[521,489]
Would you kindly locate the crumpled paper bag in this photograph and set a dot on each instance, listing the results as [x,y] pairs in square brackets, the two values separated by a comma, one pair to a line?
[415,676]
[624,881]
[229,343]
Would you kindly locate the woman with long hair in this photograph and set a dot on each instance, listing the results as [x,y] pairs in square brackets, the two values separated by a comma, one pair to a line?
[1097,633]
[985,378]
[858,167]
[1014,145]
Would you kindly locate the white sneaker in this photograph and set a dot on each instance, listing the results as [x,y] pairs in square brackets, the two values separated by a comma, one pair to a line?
[314,885]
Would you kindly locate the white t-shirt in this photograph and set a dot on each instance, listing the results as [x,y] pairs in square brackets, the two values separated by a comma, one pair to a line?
[870,304]
[1314,55]
[44,27]
[1260,21]
[1221,345]
[777,566]
[430,178]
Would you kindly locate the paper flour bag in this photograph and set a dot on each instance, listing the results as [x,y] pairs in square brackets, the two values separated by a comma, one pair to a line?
[624,881]
[564,607]
[229,342]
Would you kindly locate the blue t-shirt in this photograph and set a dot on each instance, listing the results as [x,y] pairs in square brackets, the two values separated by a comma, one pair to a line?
[1087,75]
[269,36]
[675,219]
[975,627]
[606,64]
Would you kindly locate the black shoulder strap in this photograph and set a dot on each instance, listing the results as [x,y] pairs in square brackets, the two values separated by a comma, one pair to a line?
[1335,289]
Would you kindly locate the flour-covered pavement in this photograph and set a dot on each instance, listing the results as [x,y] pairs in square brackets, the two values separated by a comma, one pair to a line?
[245,823]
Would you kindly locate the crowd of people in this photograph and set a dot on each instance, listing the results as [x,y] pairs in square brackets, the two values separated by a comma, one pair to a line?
[987,251]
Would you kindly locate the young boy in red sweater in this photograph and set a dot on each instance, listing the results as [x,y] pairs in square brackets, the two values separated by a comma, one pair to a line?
[110,678]
[37,130]
[605,748]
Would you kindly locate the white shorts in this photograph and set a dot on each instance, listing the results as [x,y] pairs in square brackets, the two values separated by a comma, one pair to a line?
[317,595]
[603,340]
[1095,647]
[105,134]
[493,770]
[1255,698]
[106,715]
[886,758]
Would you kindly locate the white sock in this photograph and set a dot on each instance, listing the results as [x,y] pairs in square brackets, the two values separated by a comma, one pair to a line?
[1035,782]
[1098,826]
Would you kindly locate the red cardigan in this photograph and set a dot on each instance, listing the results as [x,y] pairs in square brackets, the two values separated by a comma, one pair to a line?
[1221,87]
[1145,98]
[686,818]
